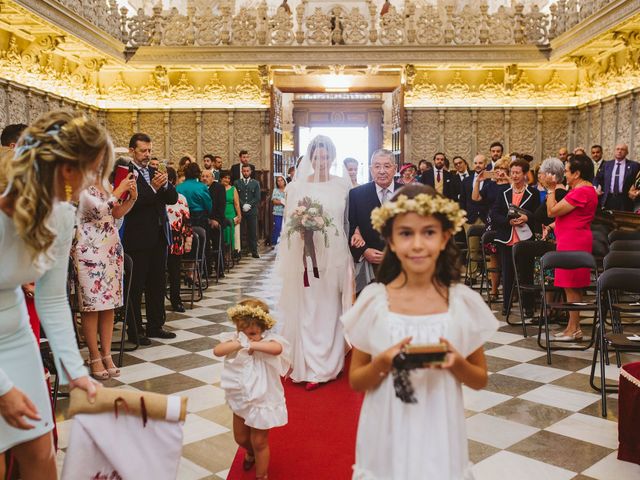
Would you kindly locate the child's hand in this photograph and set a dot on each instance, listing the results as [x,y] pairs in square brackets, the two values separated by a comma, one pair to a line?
[384,361]
[453,356]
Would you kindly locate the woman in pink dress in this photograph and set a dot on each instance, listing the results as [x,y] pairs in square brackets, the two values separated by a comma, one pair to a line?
[573,214]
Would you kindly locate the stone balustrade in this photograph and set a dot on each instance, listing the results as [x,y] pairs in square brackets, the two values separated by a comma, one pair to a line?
[404,24]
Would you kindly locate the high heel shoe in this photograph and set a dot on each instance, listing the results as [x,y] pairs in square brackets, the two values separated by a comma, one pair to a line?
[113,372]
[311,386]
[560,337]
[100,375]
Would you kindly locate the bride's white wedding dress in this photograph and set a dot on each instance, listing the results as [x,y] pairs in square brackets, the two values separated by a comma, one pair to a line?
[310,315]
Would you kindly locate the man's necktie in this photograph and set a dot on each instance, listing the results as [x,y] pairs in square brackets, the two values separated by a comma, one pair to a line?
[145,174]
[438,178]
[616,179]
[384,195]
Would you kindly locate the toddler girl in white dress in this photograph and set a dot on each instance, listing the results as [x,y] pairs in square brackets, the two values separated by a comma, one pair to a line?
[412,422]
[255,359]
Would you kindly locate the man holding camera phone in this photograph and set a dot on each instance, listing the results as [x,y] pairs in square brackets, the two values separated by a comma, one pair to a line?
[145,239]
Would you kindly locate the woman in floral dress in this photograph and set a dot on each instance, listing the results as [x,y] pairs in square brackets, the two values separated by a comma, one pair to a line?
[98,263]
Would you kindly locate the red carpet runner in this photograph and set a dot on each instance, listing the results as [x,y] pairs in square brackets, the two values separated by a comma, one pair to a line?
[319,441]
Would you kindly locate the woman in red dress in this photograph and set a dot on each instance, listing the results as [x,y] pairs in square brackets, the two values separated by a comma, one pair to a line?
[573,214]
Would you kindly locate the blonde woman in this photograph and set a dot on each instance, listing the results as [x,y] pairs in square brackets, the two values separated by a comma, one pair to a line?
[56,158]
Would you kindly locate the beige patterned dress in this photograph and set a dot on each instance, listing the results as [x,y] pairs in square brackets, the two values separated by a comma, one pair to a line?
[97,253]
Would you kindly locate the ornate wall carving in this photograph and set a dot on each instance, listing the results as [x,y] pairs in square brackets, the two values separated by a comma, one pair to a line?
[119,126]
[522,133]
[37,106]
[623,132]
[248,134]
[608,125]
[5,119]
[490,128]
[183,134]
[215,135]
[424,135]
[582,128]
[457,139]
[554,132]
[594,126]
[18,108]
[152,123]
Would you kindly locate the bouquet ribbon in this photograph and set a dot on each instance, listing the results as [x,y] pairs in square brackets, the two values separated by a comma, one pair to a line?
[309,250]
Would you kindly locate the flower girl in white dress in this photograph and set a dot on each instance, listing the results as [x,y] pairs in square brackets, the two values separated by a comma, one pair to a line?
[412,422]
[255,359]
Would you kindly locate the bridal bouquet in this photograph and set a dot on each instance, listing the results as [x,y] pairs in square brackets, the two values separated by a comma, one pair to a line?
[309,217]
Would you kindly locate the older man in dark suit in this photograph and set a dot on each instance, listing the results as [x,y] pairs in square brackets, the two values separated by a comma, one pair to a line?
[145,239]
[614,180]
[443,181]
[367,253]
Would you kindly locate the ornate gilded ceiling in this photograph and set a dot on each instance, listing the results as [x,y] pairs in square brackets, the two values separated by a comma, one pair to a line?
[449,54]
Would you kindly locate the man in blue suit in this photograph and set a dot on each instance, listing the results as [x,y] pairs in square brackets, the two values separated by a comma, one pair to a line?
[614,180]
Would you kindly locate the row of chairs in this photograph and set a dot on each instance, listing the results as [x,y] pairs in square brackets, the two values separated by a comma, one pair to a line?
[615,269]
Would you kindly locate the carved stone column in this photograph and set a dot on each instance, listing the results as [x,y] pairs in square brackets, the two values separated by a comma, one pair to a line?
[167,135]
[507,131]
[441,127]
[572,120]
[134,121]
[634,125]
[408,124]
[616,107]
[474,132]
[589,120]
[232,151]
[539,117]
[199,136]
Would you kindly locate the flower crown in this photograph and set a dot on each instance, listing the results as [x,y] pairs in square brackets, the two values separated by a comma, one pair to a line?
[422,204]
[255,312]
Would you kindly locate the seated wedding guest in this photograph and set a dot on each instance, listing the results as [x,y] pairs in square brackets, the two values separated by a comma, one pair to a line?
[408,173]
[57,157]
[573,215]
[197,195]
[277,199]
[181,239]
[614,180]
[512,229]
[98,261]
[232,212]
[182,164]
[351,167]
[421,261]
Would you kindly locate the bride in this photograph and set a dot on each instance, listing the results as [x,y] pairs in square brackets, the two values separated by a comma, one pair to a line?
[315,266]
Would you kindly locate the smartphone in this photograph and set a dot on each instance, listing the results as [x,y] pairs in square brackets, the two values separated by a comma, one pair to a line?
[162,168]
[420,356]
[490,174]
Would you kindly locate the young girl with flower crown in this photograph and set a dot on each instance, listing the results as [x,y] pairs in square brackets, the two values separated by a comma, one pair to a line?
[412,422]
[255,359]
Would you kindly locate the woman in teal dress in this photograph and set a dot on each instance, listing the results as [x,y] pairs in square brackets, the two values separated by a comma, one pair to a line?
[56,158]
[231,210]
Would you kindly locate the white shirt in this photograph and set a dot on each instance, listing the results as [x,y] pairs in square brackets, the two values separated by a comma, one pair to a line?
[390,190]
[475,175]
[463,175]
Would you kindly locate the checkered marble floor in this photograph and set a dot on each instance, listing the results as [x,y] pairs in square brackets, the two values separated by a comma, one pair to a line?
[533,421]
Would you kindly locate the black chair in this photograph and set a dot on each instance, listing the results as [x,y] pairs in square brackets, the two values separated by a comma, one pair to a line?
[569,261]
[611,283]
[203,274]
[621,259]
[488,237]
[623,235]
[125,311]
[189,266]
[474,231]
[625,245]
[599,247]
[525,253]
